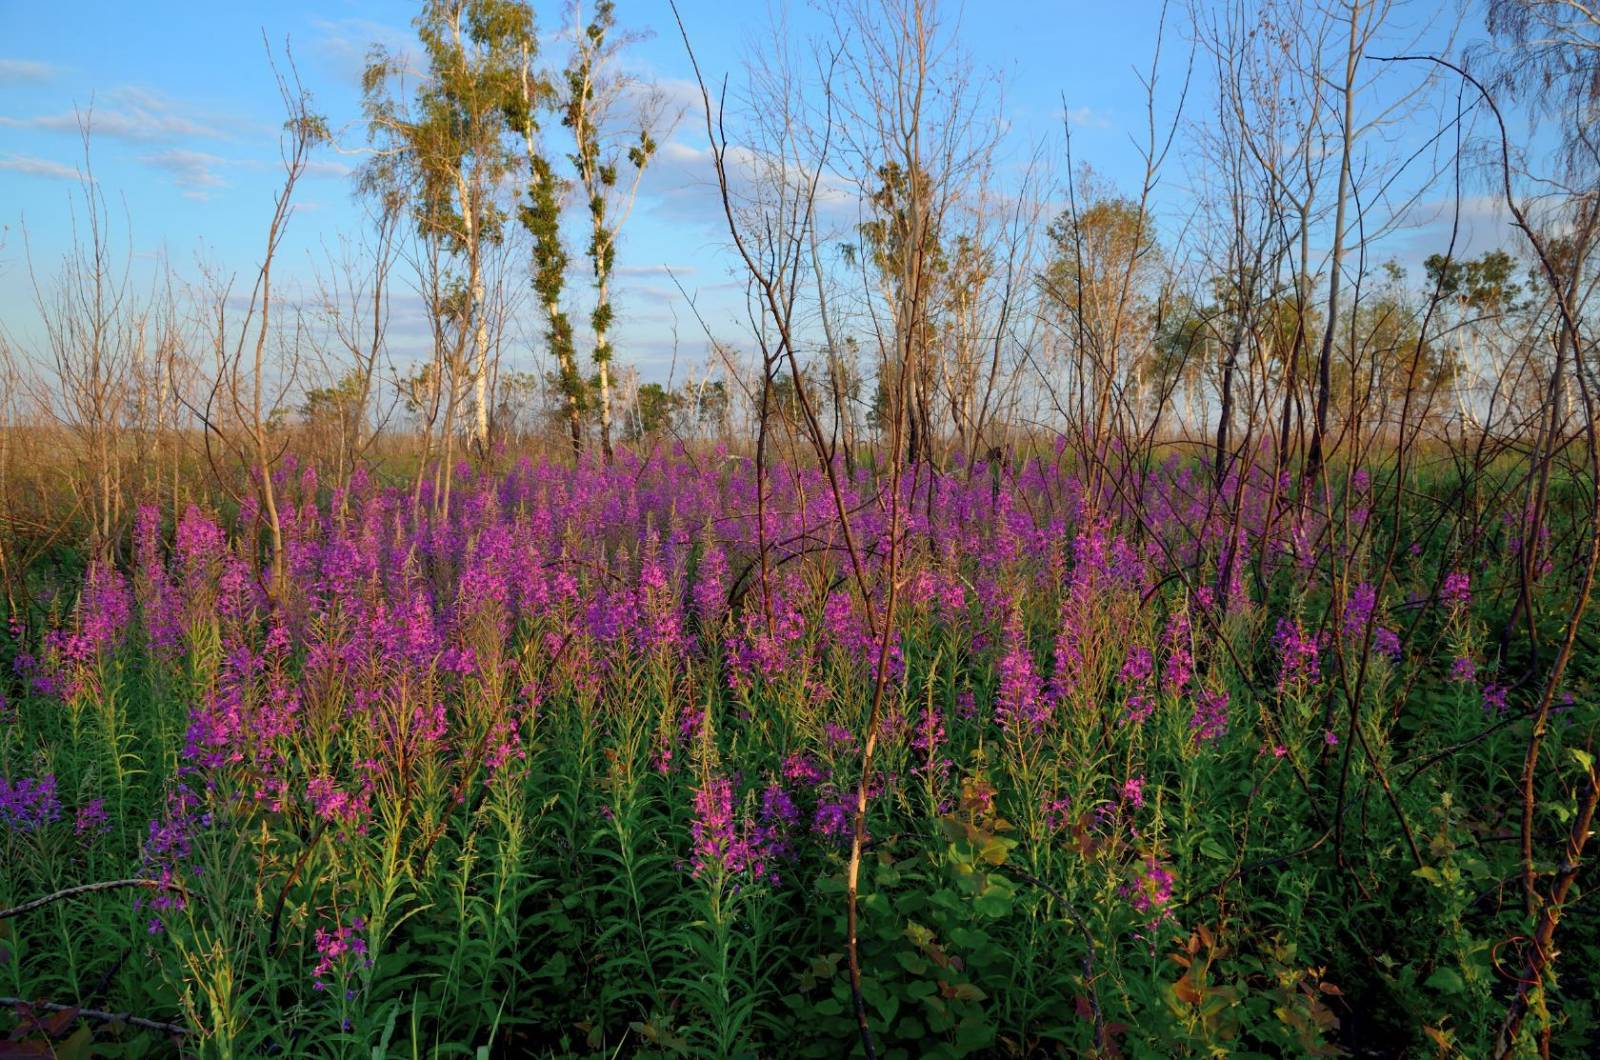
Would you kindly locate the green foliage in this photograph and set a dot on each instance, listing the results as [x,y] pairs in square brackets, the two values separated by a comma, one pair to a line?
[1021,895]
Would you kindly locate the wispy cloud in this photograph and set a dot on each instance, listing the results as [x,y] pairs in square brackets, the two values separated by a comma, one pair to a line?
[25,70]
[1087,118]
[655,270]
[127,113]
[346,43]
[38,167]
[194,172]
[681,186]
[320,168]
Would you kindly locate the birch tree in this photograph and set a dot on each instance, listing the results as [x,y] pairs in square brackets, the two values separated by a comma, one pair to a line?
[446,150]
[603,143]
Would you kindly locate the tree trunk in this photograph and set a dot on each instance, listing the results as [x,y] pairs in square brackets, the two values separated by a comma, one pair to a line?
[602,349]
[1319,428]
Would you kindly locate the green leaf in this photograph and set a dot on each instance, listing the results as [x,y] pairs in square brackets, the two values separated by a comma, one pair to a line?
[829,1007]
[995,850]
[1446,980]
[555,968]
[78,1047]
[974,1034]
[993,903]
[911,1027]
[912,962]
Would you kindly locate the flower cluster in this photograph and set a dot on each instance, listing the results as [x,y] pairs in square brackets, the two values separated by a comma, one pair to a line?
[1299,656]
[1209,721]
[336,947]
[1457,590]
[29,803]
[1020,704]
[725,843]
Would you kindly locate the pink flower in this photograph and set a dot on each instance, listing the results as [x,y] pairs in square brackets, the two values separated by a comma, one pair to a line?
[1209,721]
[334,946]
[1457,590]
[1020,703]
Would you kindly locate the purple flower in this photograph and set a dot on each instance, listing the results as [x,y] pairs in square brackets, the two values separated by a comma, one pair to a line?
[337,806]
[1180,658]
[30,803]
[1358,610]
[1457,590]
[92,818]
[710,591]
[1138,666]
[1020,704]
[168,846]
[1057,812]
[804,770]
[1298,655]
[100,622]
[834,819]
[333,947]
[1209,721]
[1151,889]
[718,842]
[1463,669]
[770,839]
[1139,708]
[839,738]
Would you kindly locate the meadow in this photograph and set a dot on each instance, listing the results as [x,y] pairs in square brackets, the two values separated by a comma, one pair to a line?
[566,762]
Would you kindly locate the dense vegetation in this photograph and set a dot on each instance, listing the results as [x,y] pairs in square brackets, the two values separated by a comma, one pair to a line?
[569,768]
[1051,612]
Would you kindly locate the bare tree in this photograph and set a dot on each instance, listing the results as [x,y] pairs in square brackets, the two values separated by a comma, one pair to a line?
[243,405]
[915,137]
[95,333]
[354,304]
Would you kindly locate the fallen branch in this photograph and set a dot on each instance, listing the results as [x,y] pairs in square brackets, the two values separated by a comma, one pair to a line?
[90,888]
[97,1015]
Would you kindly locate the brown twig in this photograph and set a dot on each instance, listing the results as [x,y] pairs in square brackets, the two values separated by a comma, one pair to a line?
[90,888]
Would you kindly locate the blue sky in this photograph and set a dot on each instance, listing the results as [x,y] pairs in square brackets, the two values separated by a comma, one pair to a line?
[186,119]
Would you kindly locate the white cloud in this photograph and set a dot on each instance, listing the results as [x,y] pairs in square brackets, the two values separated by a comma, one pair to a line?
[655,270]
[192,171]
[128,113]
[347,43]
[38,167]
[14,70]
[681,183]
[1087,118]
[321,168]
